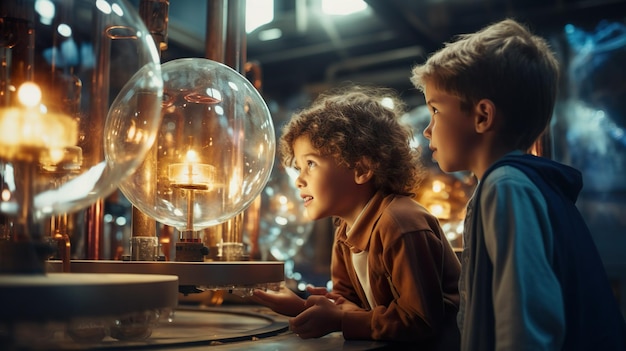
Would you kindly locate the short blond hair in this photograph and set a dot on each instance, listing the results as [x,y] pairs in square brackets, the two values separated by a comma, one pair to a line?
[503,62]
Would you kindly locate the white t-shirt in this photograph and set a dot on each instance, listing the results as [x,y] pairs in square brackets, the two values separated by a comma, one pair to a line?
[361,267]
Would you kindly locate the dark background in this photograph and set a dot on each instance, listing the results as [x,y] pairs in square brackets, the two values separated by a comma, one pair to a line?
[377,46]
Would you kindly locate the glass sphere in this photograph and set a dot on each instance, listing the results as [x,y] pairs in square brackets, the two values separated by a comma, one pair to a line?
[214,152]
[445,195]
[80,100]
[284,226]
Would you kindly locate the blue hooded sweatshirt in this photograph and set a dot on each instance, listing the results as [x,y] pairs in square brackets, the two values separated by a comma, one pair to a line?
[586,306]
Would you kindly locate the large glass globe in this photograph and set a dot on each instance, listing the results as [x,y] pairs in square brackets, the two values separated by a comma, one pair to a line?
[285,228]
[214,152]
[70,70]
[445,195]
[80,106]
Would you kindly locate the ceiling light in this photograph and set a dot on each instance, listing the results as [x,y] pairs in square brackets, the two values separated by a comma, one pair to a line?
[258,13]
[270,34]
[345,7]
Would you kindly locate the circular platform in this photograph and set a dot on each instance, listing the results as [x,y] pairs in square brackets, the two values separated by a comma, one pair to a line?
[63,296]
[215,274]
[189,327]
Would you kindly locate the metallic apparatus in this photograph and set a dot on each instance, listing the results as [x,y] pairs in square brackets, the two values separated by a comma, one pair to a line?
[66,101]
[81,95]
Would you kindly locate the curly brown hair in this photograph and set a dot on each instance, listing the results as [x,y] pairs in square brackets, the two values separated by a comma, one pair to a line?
[356,122]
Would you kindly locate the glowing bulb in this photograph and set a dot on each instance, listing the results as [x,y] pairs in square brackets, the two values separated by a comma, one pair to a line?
[29,127]
[29,94]
[436,209]
[191,156]
[438,186]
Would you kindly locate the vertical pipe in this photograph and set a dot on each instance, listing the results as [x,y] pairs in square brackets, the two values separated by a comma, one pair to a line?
[17,58]
[235,56]
[154,14]
[99,107]
[17,48]
[215,30]
[144,244]
[214,45]
[252,215]
[227,48]
[142,224]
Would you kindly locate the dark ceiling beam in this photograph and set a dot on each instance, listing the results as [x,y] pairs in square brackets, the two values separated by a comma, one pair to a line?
[407,54]
[296,52]
[403,20]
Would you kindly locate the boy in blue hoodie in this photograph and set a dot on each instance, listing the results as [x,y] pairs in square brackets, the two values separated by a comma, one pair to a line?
[531,276]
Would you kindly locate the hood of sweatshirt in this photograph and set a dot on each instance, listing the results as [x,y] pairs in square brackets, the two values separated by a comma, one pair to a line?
[562,178]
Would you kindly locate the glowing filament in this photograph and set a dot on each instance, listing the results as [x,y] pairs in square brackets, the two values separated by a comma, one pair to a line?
[31,126]
[192,174]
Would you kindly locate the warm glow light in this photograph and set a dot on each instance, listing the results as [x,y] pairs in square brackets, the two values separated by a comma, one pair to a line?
[283,200]
[436,209]
[192,174]
[235,184]
[438,186]
[29,94]
[191,156]
[30,126]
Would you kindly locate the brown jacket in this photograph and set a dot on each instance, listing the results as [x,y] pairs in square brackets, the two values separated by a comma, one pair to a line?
[413,275]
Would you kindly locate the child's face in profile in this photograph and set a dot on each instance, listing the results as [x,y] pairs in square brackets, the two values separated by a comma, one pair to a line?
[451,130]
[326,187]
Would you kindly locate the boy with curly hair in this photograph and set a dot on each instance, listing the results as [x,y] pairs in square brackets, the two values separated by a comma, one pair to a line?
[394,273]
[531,277]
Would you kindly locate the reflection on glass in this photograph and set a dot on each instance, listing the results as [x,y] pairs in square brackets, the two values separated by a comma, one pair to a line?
[214,152]
[445,195]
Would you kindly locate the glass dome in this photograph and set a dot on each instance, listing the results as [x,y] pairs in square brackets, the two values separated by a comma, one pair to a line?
[68,69]
[214,152]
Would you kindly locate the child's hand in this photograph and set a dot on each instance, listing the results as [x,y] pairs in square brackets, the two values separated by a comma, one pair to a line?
[346,305]
[284,301]
[321,316]
[316,290]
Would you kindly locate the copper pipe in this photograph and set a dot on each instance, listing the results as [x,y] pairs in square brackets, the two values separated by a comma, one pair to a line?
[154,14]
[233,43]
[99,95]
[64,247]
[142,224]
[254,74]
[215,30]
[94,223]
[16,48]
[252,215]
[236,35]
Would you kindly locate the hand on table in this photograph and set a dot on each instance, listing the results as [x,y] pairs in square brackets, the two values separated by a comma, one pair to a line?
[320,317]
[284,301]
